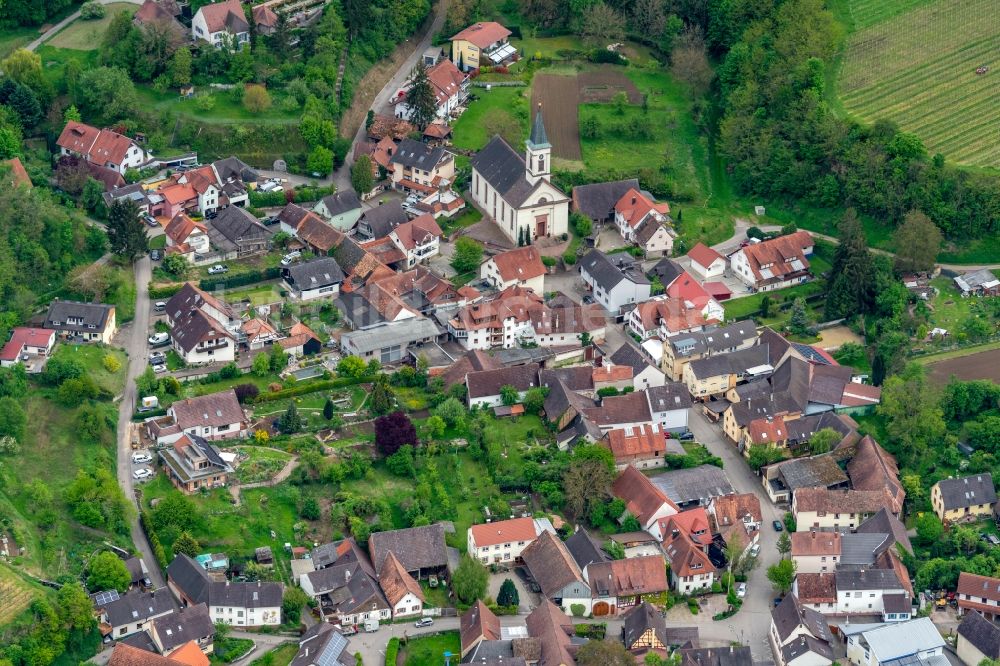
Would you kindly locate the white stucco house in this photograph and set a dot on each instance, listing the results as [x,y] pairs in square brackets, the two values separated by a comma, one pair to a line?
[221,24]
[616,280]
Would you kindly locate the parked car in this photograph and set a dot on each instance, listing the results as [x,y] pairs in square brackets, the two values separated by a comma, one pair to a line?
[992,538]
[159,306]
[776,524]
[157,339]
[160,368]
[423,622]
[142,474]
[741,590]
[157,358]
[755,550]
[218,268]
[685,436]
[349,630]
[155,255]
[290,257]
[150,220]
[777,601]
[140,458]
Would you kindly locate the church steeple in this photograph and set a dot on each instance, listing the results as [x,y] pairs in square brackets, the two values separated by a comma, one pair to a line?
[538,151]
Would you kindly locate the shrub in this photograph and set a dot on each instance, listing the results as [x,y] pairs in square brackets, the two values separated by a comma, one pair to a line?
[246,392]
[569,257]
[577,609]
[548,261]
[111,364]
[391,650]
[91,11]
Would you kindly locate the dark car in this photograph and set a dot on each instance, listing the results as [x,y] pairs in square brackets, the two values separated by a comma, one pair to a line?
[777,601]
[155,255]
[778,527]
[588,299]
[685,436]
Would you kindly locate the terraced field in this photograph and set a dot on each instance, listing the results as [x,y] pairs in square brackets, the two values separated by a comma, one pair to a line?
[16,594]
[915,61]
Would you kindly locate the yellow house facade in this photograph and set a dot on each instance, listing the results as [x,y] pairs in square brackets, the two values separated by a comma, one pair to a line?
[965,499]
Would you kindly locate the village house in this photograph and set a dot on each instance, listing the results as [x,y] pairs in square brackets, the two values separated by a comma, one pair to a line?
[213,417]
[421,168]
[965,499]
[520,316]
[483,387]
[873,592]
[82,322]
[503,541]
[341,209]
[221,24]
[421,550]
[706,263]
[322,644]
[162,14]
[121,615]
[191,463]
[774,264]
[401,591]
[823,509]
[29,347]
[654,237]
[476,625]
[265,19]
[186,237]
[148,203]
[522,267]
[619,585]
[442,202]
[916,642]
[378,222]
[620,411]
[176,634]
[318,278]
[978,594]
[318,236]
[816,552]
[691,570]
[978,639]
[644,629]
[102,147]
[256,334]
[516,192]
[784,478]
[715,375]
[190,297]
[733,656]
[237,234]
[389,343]
[450,86]
[205,183]
[481,44]
[643,500]
[345,585]
[418,240]
[198,338]
[695,297]
[696,486]
[248,605]
[737,518]
[791,622]
[664,317]
[552,566]
[301,341]
[597,200]
[645,375]
[680,350]
[634,209]
[644,447]
[616,280]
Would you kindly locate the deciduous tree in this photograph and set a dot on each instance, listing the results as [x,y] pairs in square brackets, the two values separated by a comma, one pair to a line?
[468,255]
[823,440]
[917,242]
[602,24]
[781,575]
[469,580]
[107,571]
[608,652]
[256,99]
[588,478]
[362,175]
[187,545]
[394,431]
[852,282]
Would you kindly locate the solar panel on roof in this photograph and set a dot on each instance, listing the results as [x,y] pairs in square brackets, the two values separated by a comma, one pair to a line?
[106,597]
[330,654]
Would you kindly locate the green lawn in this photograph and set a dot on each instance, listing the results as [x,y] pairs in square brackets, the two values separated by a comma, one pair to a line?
[261,464]
[467,218]
[741,308]
[91,357]
[158,242]
[279,656]
[264,294]
[87,35]
[469,130]
[14,38]
[225,108]
[428,650]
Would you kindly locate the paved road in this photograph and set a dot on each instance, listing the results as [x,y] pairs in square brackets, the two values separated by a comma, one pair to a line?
[137,350]
[751,624]
[342,177]
[66,21]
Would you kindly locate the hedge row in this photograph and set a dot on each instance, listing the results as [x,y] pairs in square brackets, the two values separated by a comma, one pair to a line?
[309,387]
[164,292]
[391,651]
[241,279]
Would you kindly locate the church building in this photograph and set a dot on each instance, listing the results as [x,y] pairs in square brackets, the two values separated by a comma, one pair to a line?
[516,191]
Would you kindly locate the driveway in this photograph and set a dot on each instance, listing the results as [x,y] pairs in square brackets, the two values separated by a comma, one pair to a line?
[750,625]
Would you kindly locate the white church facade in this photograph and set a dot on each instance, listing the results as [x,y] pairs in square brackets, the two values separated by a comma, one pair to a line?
[516,192]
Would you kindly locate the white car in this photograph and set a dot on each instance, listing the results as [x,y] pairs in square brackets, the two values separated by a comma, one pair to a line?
[755,551]
[290,257]
[218,268]
[425,622]
[159,368]
[159,339]
[741,590]
[142,474]
[141,458]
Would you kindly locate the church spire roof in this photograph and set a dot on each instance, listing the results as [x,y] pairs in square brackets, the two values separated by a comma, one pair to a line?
[538,138]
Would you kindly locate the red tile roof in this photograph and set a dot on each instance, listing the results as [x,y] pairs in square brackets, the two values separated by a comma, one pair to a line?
[767,431]
[318,233]
[18,176]
[704,255]
[689,290]
[634,206]
[611,373]
[813,543]
[777,254]
[77,137]
[673,313]
[483,34]
[979,586]
[693,522]
[418,231]
[190,654]
[816,588]
[523,263]
[476,624]
[395,582]
[503,531]
[686,556]
[178,194]
[646,440]
[265,16]
[217,14]
[22,336]
[446,79]
[181,227]
[642,498]
[628,577]
[730,510]
[110,147]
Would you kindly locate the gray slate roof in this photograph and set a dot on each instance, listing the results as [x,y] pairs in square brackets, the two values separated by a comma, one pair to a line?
[597,200]
[503,168]
[94,316]
[608,271]
[732,656]
[714,340]
[324,646]
[401,333]
[789,614]
[868,579]
[803,645]
[884,522]
[538,138]
[234,226]
[698,484]
[234,167]
[417,154]
[187,624]
[967,491]
[585,549]
[135,607]
[861,549]
[341,202]
[983,634]
[639,619]
[314,274]
[629,354]
[193,580]
[670,396]
[667,270]
[415,547]
[382,219]
[486,383]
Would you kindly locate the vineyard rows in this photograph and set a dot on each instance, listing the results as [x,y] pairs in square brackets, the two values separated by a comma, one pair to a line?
[918,69]
[15,593]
